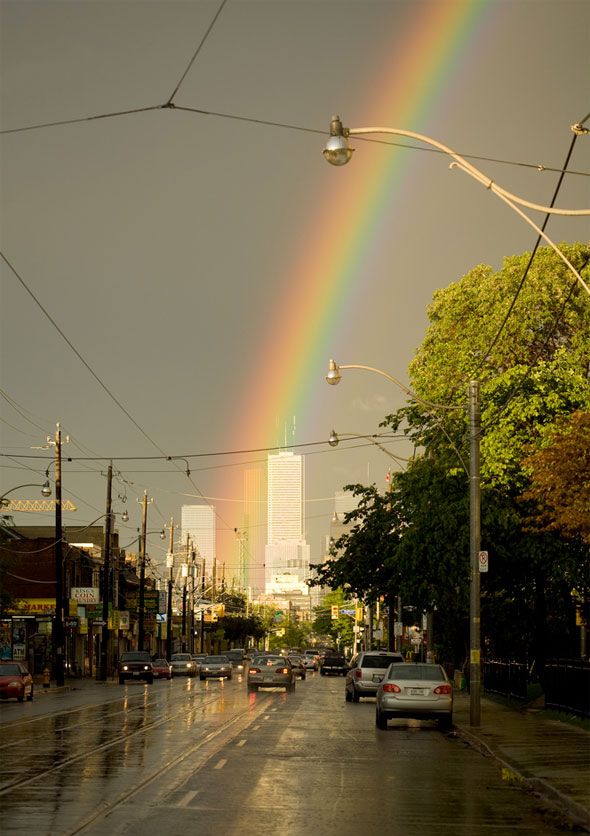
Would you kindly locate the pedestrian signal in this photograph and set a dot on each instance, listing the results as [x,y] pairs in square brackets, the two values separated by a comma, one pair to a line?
[335,612]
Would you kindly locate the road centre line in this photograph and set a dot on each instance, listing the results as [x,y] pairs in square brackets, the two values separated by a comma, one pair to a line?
[220,764]
[241,742]
[187,798]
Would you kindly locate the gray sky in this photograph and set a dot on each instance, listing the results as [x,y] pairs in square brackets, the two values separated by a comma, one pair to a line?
[185,255]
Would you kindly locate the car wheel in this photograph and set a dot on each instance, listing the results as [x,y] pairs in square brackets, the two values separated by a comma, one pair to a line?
[446,723]
[355,695]
[302,676]
[348,696]
[201,678]
[380,720]
[322,672]
[21,698]
[121,680]
[150,680]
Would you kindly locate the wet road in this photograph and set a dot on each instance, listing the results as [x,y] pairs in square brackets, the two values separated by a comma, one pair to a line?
[209,758]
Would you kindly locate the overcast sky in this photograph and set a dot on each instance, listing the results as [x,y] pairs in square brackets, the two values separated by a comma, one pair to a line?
[190,258]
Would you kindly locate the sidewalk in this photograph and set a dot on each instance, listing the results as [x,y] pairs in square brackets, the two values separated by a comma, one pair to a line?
[547,756]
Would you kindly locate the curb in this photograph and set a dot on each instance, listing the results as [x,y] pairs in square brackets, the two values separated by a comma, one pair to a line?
[575,812]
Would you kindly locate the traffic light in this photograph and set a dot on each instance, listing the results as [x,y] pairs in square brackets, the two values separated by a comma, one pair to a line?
[360,615]
[335,612]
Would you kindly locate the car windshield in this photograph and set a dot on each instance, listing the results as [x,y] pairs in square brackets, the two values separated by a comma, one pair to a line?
[136,656]
[9,670]
[430,673]
[235,654]
[181,657]
[216,660]
[378,661]
[161,663]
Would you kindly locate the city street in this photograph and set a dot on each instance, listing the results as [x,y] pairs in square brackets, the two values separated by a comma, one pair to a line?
[208,757]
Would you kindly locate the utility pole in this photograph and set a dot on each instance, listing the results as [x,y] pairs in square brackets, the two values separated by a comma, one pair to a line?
[58,624]
[104,645]
[474,547]
[170,564]
[202,607]
[142,549]
[185,570]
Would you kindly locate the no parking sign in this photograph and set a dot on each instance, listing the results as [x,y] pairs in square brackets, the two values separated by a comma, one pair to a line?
[483,562]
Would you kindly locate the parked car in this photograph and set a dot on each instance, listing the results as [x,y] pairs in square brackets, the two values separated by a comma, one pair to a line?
[333,663]
[15,681]
[311,660]
[162,669]
[136,664]
[270,671]
[215,666]
[366,671]
[418,690]
[183,664]
[297,665]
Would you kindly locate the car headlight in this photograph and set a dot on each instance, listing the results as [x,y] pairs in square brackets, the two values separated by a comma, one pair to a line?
[125,668]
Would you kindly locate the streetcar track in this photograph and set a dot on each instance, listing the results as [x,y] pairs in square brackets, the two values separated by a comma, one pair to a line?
[143,729]
[107,808]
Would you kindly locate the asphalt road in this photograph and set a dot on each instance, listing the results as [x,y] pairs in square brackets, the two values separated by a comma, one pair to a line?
[209,758]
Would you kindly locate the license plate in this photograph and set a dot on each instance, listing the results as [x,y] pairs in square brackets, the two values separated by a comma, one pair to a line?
[377,678]
[417,692]
[135,673]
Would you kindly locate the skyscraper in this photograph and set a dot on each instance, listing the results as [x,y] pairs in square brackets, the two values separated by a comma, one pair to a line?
[286,552]
[198,521]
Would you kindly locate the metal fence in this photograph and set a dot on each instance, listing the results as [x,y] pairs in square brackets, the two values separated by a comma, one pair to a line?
[507,678]
[567,686]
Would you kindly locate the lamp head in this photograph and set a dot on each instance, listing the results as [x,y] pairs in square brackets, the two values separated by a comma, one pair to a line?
[46,489]
[333,377]
[338,150]
[162,535]
[333,440]
[125,516]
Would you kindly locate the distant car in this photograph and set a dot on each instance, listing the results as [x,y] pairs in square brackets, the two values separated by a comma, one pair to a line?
[197,659]
[333,663]
[297,665]
[135,664]
[311,659]
[183,664]
[162,669]
[366,671]
[237,656]
[15,681]
[215,666]
[270,671]
[420,691]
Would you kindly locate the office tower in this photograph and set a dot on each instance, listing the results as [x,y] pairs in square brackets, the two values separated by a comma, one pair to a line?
[286,552]
[198,521]
[252,535]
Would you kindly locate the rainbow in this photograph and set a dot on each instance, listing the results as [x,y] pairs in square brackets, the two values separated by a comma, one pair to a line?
[323,282]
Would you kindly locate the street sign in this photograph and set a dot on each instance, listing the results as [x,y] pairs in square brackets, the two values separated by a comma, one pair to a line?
[483,562]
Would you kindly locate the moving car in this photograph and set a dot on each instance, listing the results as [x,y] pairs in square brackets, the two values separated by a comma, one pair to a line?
[215,666]
[237,656]
[136,664]
[366,671]
[183,664]
[15,681]
[311,660]
[162,669]
[333,663]
[198,659]
[297,665]
[420,691]
[270,671]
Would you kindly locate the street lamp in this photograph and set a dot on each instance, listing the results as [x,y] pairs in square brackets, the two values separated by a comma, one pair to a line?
[334,441]
[45,490]
[339,152]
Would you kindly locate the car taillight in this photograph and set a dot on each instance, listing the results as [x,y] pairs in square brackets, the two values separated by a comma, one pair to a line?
[282,670]
[254,670]
[391,688]
[443,689]
[358,673]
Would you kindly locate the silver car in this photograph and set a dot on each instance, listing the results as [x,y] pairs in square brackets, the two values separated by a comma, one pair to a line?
[270,671]
[215,666]
[183,664]
[418,690]
[366,671]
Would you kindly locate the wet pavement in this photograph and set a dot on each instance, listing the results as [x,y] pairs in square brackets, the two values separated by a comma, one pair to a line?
[547,756]
[103,759]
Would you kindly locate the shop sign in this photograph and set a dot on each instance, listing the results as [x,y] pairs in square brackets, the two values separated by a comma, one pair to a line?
[86,594]
[34,605]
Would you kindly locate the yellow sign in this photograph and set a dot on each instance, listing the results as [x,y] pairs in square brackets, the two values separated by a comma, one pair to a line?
[34,605]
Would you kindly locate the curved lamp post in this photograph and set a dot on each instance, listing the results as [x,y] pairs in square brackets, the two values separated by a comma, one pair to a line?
[333,377]
[339,152]
[45,489]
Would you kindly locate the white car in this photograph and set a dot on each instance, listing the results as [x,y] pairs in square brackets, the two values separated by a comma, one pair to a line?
[183,664]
